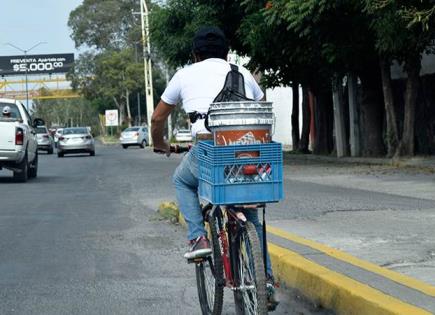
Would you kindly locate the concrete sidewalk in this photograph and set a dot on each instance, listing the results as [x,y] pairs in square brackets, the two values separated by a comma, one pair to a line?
[343,283]
[335,279]
[421,162]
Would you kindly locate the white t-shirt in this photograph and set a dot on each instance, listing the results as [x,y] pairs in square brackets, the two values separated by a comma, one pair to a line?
[197,85]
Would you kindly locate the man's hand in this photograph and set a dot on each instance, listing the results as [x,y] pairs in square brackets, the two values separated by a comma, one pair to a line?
[164,148]
[158,120]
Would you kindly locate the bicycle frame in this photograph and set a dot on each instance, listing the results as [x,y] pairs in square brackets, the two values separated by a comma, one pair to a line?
[229,236]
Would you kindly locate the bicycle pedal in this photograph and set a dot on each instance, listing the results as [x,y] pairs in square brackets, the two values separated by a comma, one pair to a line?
[196,260]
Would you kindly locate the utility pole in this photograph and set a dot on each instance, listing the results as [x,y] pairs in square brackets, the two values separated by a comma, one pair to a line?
[147,65]
[25,51]
[138,94]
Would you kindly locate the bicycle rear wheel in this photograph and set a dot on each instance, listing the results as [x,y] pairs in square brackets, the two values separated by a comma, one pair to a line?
[209,274]
[250,295]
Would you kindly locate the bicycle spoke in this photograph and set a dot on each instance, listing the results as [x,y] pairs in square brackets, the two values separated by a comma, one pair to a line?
[247,278]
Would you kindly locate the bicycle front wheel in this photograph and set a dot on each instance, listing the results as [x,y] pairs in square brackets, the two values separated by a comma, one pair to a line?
[250,294]
[209,274]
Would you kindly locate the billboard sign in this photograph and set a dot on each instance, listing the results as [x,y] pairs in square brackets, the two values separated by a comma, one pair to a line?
[36,64]
[111,117]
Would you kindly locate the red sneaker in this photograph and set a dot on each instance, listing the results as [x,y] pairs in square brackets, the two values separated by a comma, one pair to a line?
[199,247]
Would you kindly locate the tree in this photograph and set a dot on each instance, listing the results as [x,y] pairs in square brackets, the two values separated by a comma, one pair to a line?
[110,75]
[102,24]
[112,71]
[66,112]
[403,32]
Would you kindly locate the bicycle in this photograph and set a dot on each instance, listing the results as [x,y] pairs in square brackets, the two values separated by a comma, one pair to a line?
[237,262]
[238,257]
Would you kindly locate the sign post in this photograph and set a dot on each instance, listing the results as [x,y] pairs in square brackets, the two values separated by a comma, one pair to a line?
[111,119]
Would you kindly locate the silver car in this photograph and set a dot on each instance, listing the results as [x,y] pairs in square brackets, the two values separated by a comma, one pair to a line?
[136,135]
[183,135]
[45,140]
[75,140]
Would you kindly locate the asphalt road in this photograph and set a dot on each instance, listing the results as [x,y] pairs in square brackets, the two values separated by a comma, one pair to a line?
[84,238]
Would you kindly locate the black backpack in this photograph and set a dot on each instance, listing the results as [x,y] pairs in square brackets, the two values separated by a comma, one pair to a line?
[234,87]
[233,90]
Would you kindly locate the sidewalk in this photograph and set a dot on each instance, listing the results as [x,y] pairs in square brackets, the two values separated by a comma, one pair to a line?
[343,283]
[422,162]
[340,281]
[384,213]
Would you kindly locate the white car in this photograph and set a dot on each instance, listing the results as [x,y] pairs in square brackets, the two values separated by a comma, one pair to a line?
[75,140]
[57,135]
[137,135]
[18,142]
[183,135]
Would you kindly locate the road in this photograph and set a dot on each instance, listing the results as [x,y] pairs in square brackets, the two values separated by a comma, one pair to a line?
[84,238]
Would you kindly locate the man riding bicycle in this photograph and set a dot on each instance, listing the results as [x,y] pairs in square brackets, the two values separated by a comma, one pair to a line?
[196,86]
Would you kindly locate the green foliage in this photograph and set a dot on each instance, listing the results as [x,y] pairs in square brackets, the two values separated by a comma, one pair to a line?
[114,69]
[66,112]
[174,25]
[102,24]
[404,28]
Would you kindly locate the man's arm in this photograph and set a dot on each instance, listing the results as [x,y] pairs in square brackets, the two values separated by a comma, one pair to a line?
[158,120]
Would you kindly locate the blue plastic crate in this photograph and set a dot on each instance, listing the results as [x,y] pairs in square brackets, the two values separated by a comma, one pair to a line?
[234,175]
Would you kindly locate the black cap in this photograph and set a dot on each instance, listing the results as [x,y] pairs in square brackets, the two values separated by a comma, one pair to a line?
[210,38]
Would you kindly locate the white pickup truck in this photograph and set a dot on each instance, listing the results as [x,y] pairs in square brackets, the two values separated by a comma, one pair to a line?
[18,144]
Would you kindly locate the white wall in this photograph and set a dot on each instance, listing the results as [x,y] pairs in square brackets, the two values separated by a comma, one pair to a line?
[282,98]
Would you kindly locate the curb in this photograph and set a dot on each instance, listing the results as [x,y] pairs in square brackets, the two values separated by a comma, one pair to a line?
[101,139]
[424,163]
[335,290]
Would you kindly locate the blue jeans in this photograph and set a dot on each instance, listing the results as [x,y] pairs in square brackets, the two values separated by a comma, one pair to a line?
[186,184]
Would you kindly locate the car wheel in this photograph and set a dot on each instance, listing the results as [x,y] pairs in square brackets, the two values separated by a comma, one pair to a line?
[143,144]
[60,154]
[92,153]
[125,146]
[33,169]
[23,166]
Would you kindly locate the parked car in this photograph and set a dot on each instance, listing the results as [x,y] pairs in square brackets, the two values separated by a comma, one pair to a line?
[57,135]
[75,140]
[183,135]
[18,144]
[137,135]
[45,140]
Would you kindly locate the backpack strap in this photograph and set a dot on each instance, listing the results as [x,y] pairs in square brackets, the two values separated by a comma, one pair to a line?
[234,77]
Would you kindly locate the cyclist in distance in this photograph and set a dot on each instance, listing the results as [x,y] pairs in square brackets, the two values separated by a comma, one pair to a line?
[195,87]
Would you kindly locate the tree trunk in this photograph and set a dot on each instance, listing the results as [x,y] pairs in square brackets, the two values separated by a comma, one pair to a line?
[295,116]
[340,128]
[372,117]
[392,130]
[127,102]
[120,107]
[323,123]
[306,120]
[354,120]
[407,142]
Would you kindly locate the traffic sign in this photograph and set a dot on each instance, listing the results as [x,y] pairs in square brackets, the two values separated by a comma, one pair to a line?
[112,117]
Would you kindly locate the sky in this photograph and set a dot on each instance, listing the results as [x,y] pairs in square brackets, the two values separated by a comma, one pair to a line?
[25,23]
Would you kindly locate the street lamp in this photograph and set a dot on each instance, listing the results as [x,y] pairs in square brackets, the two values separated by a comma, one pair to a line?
[25,51]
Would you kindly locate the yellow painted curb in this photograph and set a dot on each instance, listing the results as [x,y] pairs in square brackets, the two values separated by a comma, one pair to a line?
[333,290]
[389,274]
